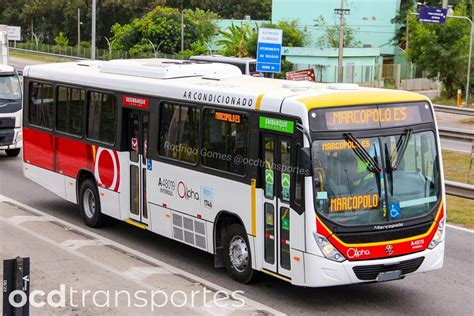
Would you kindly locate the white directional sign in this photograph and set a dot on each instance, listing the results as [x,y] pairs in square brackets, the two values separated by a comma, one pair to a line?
[269,50]
[14,33]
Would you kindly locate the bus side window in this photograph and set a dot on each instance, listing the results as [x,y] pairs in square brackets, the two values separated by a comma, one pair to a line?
[225,137]
[41,105]
[70,110]
[102,117]
[179,132]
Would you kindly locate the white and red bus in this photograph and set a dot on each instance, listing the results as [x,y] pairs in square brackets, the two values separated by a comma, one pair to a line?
[318,185]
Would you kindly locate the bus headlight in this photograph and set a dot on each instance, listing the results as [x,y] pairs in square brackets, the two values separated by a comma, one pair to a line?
[328,250]
[19,136]
[438,236]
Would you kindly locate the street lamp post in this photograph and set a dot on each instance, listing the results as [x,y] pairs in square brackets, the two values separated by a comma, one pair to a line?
[93,29]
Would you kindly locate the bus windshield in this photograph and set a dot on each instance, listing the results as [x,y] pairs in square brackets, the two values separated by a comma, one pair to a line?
[9,88]
[350,190]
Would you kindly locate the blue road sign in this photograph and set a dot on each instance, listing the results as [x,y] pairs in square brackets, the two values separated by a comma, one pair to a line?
[433,15]
[268,57]
[269,50]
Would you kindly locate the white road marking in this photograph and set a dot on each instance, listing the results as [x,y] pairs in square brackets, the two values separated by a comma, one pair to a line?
[258,307]
[75,244]
[461,228]
[21,219]
[141,273]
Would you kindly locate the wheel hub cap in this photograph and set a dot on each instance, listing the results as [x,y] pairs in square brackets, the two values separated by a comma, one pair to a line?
[238,253]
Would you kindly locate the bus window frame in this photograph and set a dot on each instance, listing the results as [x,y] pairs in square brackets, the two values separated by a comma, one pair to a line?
[381,132]
[201,135]
[26,105]
[158,142]
[84,106]
[117,117]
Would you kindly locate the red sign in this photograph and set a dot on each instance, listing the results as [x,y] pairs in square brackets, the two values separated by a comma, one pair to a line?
[301,75]
[135,102]
[134,144]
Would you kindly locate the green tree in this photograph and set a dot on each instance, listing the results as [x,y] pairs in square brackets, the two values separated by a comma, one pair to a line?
[229,9]
[407,6]
[61,40]
[331,35]
[235,40]
[162,26]
[442,49]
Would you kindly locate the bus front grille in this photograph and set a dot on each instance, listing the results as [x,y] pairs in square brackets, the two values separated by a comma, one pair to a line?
[369,273]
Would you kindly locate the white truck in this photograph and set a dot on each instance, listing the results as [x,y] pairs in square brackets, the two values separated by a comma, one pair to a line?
[11,137]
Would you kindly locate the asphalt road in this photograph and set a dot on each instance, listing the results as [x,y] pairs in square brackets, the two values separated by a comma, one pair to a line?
[449,291]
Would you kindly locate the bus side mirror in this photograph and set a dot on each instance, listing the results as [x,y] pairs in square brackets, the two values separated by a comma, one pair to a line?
[304,161]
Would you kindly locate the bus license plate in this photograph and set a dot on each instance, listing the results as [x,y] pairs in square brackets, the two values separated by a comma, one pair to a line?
[389,276]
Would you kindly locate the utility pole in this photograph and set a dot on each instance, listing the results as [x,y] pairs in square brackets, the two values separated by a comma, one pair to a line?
[342,12]
[94,2]
[78,28]
[182,29]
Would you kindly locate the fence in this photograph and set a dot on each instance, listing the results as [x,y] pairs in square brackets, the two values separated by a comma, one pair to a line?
[85,52]
[393,76]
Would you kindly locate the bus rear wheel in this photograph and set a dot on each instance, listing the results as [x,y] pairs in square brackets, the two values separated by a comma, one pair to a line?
[12,152]
[237,255]
[89,204]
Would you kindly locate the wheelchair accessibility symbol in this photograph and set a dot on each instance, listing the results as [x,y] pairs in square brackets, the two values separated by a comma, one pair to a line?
[394,211]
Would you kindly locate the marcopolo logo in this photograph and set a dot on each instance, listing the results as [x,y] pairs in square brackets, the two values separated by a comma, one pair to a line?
[185,192]
[353,253]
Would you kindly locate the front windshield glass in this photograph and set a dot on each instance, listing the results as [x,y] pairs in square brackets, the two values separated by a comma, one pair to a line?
[413,188]
[10,88]
[349,192]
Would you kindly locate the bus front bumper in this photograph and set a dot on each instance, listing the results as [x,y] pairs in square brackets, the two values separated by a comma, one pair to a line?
[320,272]
[11,138]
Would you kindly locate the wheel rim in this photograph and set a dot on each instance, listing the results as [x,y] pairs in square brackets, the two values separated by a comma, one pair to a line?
[239,254]
[89,203]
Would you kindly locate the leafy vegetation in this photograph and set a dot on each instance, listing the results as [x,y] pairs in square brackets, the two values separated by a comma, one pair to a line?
[160,30]
[331,35]
[442,49]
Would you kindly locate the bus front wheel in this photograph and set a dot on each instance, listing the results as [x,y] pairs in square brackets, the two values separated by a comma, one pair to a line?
[237,255]
[12,152]
[89,204]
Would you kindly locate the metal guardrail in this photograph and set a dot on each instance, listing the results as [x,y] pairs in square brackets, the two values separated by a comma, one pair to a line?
[457,134]
[459,189]
[453,110]
[45,53]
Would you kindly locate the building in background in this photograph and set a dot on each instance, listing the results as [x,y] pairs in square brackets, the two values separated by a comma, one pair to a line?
[374,33]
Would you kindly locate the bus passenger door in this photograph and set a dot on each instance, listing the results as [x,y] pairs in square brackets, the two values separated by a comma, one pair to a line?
[276,177]
[137,138]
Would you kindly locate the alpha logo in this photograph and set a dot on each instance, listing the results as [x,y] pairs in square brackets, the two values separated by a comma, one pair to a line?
[415,244]
[389,249]
[187,193]
[356,253]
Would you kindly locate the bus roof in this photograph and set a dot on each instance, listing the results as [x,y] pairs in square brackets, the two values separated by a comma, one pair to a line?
[176,79]
[5,69]
[219,58]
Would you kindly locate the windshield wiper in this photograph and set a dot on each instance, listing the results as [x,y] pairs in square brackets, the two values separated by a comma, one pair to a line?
[399,152]
[360,151]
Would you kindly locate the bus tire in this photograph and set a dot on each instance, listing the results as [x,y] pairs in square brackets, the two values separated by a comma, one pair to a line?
[12,152]
[237,255]
[89,204]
